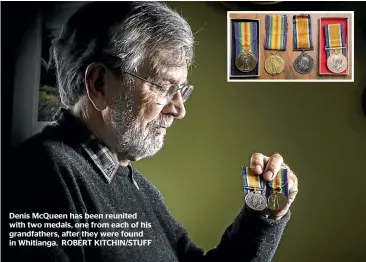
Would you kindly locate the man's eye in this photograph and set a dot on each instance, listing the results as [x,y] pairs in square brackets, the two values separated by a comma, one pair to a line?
[163,89]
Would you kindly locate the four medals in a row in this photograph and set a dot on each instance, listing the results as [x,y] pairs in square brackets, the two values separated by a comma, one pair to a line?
[276,29]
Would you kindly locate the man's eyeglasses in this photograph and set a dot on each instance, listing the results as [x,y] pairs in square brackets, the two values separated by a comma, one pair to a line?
[169,90]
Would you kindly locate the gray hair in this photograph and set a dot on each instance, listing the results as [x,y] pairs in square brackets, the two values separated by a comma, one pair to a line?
[122,35]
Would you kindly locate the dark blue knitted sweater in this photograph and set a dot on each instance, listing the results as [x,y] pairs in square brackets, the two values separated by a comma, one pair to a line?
[52,175]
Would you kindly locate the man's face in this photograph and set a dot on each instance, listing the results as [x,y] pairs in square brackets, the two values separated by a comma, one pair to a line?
[138,116]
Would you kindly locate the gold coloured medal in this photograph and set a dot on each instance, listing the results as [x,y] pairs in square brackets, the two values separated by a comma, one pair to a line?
[277,201]
[274,65]
[246,62]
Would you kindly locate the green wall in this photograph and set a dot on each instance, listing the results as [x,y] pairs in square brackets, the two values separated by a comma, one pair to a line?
[318,128]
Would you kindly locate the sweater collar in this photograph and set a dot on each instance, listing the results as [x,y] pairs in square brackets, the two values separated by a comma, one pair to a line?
[98,152]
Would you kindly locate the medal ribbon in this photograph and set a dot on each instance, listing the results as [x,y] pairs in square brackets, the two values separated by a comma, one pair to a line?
[276,32]
[303,38]
[279,184]
[246,36]
[334,38]
[251,181]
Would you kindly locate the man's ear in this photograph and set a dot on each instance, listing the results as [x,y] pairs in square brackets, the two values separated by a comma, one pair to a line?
[95,85]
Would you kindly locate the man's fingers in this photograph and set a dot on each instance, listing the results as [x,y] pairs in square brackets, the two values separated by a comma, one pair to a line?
[292,196]
[257,162]
[273,166]
[278,215]
[293,187]
[292,183]
[291,179]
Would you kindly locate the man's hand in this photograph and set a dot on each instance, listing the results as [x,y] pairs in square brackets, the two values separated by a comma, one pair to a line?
[269,167]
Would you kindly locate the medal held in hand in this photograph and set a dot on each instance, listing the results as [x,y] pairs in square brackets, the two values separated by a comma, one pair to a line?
[276,39]
[277,191]
[303,41]
[335,47]
[246,36]
[253,190]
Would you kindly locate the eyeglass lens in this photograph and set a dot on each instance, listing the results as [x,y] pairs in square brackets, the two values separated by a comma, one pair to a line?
[185,91]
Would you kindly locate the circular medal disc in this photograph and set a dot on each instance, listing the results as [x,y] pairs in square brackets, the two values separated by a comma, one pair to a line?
[256,201]
[337,63]
[274,65]
[246,62]
[277,201]
[304,64]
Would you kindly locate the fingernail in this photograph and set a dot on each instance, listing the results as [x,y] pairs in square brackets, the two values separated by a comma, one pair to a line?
[269,174]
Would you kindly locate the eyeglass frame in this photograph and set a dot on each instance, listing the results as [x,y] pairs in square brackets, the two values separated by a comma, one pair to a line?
[163,89]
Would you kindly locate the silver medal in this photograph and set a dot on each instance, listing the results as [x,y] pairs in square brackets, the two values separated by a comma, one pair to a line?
[304,64]
[256,201]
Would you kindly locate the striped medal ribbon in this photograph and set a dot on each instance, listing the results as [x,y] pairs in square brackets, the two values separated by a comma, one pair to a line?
[335,47]
[245,48]
[334,39]
[276,40]
[303,38]
[254,187]
[276,32]
[303,41]
[277,191]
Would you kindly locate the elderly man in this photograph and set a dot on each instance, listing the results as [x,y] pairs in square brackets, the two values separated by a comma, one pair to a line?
[122,75]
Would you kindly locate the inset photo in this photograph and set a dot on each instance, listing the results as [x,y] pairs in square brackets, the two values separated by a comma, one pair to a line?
[290,46]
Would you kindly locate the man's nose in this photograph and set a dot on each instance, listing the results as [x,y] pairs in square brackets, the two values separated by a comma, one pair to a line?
[175,107]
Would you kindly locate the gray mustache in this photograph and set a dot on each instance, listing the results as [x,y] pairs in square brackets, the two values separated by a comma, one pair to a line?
[164,122]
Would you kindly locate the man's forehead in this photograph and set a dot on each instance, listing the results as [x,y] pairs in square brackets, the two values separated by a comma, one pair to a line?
[173,75]
[176,75]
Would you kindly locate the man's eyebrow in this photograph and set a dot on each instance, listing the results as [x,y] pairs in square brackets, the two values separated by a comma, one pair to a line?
[171,80]
[167,78]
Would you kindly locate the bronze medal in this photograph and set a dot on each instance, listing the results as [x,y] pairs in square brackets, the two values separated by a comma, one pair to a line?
[336,61]
[277,201]
[246,62]
[256,201]
[274,65]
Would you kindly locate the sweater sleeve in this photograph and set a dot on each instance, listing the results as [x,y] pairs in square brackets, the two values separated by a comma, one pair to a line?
[250,238]
[39,186]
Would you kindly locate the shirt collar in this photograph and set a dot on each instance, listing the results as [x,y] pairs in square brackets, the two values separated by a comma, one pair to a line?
[98,152]
[105,160]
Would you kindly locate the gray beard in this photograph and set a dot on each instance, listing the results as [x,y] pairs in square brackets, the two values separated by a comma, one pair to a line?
[131,140]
